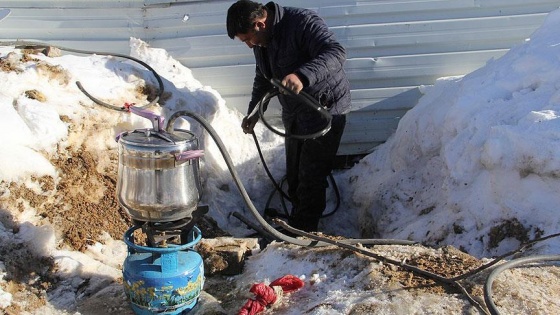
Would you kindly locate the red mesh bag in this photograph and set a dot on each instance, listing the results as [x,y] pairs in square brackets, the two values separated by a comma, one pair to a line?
[265,295]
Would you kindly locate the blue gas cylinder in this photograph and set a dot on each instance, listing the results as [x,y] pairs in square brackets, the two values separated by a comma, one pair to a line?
[163,280]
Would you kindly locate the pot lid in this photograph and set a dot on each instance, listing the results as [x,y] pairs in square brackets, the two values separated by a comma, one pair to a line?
[158,139]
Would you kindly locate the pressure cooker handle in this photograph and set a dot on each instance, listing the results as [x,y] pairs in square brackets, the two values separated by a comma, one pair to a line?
[188,155]
[157,120]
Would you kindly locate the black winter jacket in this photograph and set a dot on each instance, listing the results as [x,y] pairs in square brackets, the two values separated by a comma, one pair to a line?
[301,43]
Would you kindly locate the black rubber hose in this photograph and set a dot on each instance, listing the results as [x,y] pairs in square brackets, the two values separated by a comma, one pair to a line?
[511,264]
[267,170]
[309,101]
[249,203]
[337,194]
[304,98]
[218,141]
[94,99]
[269,95]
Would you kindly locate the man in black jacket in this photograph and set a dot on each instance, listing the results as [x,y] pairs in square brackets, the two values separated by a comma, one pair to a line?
[295,46]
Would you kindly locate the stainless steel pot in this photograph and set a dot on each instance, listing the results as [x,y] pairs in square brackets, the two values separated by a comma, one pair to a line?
[158,175]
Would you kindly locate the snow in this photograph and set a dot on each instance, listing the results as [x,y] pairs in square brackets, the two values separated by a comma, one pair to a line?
[477,152]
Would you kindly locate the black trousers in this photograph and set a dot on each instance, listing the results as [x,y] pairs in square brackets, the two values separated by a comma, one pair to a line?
[309,163]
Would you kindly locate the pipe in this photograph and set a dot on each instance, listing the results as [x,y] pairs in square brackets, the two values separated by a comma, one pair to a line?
[304,98]
[511,264]
[271,230]
[79,85]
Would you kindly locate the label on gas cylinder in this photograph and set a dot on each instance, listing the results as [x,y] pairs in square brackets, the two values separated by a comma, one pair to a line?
[155,288]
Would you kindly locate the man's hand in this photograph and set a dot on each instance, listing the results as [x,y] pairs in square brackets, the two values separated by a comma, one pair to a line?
[248,123]
[292,82]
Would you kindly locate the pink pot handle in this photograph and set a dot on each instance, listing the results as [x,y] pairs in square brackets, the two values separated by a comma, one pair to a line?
[157,120]
[189,155]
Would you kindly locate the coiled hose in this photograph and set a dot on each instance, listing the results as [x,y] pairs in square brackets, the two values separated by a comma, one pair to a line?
[302,96]
[308,100]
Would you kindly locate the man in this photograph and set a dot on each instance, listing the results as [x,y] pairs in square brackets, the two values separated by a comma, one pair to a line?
[295,46]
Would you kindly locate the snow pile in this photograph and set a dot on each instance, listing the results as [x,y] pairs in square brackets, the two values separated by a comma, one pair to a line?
[475,164]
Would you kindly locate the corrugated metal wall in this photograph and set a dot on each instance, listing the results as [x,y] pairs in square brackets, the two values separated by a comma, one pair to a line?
[393,46]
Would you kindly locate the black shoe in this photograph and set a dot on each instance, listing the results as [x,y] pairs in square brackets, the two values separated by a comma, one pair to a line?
[263,242]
